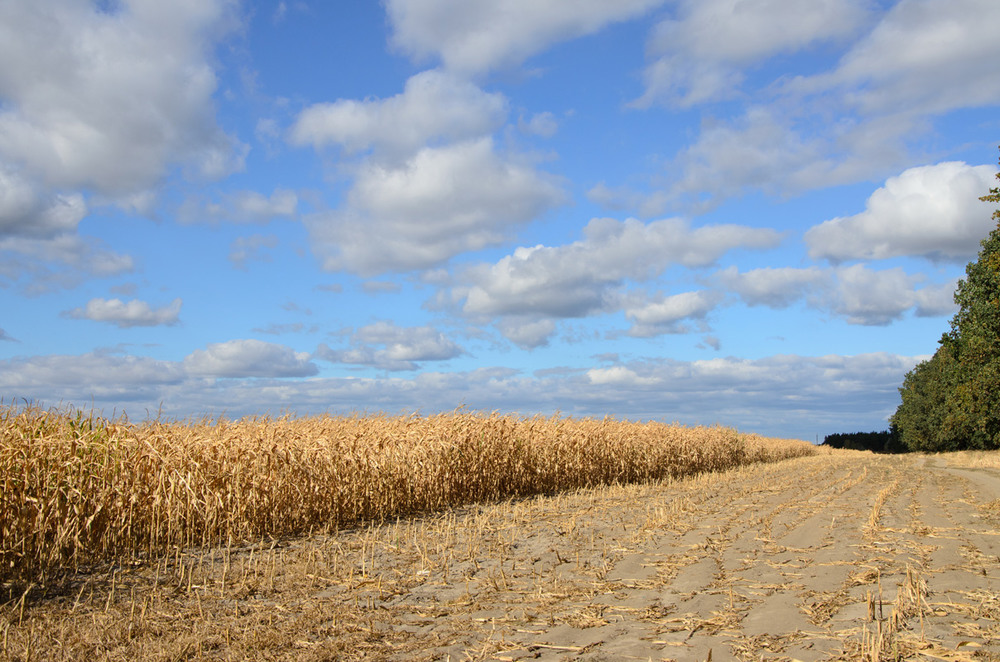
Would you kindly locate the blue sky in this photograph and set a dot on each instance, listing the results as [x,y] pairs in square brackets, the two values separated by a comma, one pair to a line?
[744,212]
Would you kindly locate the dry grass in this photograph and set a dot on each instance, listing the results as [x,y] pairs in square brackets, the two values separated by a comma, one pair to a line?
[973,459]
[79,491]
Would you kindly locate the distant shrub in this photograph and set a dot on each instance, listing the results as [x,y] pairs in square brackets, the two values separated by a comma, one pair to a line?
[887,441]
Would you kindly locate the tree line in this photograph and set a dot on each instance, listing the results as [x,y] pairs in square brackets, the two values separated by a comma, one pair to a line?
[952,400]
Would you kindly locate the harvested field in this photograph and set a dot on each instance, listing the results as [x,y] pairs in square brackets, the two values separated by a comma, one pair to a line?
[844,556]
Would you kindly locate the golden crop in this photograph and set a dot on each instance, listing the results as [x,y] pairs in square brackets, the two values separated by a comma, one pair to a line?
[81,490]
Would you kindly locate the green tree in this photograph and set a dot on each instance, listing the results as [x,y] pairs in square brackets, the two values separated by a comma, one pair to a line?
[974,409]
[920,418]
[952,401]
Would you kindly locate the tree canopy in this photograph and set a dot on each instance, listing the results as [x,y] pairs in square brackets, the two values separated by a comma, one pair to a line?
[952,401]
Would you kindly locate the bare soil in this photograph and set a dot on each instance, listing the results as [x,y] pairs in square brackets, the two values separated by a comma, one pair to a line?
[846,556]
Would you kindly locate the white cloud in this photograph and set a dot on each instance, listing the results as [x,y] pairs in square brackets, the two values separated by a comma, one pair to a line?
[127,314]
[249,358]
[787,395]
[475,37]
[527,331]
[28,212]
[523,291]
[540,124]
[929,211]
[580,278]
[936,300]
[698,54]
[442,202]
[401,347]
[108,100]
[921,60]
[784,149]
[711,341]
[668,314]
[100,377]
[97,105]
[422,343]
[873,298]
[619,377]
[58,262]
[759,151]
[861,295]
[774,287]
[39,243]
[924,56]
[433,107]
[743,31]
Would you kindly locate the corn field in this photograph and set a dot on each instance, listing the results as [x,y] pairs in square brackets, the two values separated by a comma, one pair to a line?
[79,491]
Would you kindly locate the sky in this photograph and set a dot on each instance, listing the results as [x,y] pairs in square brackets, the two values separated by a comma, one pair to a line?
[750,213]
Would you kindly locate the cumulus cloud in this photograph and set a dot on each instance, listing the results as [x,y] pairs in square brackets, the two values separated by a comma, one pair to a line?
[668,314]
[936,300]
[476,37]
[759,151]
[430,182]
[39,242]
[698,54]
[27,211]
[878,298]
[620,377]
[97,105]
[774,287]
[920,60]
[873,298]
[929,211]
[127,314]
[442,202]
[249,358]
[523,292]
[62,261]
[107,100]
[6,337]
[579,278]
[434,106]
[857,293]
[927,57]
[386,346]
[104,378]
[526,331]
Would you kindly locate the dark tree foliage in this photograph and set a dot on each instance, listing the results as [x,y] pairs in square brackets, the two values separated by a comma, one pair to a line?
[952,401]
[975,332]
[922,415]
[887,441]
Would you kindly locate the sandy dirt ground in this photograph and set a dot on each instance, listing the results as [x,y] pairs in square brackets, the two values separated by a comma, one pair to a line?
[846,556]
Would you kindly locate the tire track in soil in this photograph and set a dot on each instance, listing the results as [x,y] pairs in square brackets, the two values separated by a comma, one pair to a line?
[823,558]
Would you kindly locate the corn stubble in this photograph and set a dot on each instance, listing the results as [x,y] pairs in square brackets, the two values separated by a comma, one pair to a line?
[79,491]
